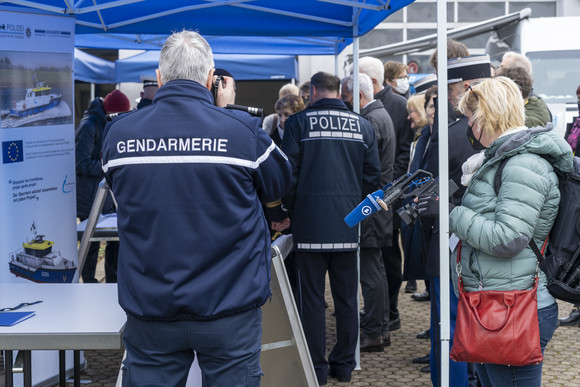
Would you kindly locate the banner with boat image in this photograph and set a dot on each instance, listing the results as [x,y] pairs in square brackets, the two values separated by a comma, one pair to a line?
[38,237]
[38,228]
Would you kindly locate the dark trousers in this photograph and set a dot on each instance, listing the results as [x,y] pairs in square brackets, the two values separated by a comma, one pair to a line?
[160,353]
[393,262]
[342,272]
[90,265]
[373,281]
[458,372]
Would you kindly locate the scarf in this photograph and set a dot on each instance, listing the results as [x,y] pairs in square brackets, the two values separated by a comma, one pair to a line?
[574,134]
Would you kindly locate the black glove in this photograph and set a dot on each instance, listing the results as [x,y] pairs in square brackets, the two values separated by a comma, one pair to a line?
[428,206]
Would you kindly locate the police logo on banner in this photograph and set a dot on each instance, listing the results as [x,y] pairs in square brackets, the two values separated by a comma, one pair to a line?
[12,152]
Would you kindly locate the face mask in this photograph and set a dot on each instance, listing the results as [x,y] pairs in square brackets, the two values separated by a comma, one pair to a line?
[402,85]
[475,143]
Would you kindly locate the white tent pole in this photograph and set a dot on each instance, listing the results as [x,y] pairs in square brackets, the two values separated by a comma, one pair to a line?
[355,103]
[355,85]
[442,105]
[92,91]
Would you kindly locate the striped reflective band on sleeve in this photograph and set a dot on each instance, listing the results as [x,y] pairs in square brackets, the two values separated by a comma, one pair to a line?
[326,246]
[189,160]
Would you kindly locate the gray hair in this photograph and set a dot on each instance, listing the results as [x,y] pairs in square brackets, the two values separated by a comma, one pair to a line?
[185,55]
[364,82]
[372,67]
[513,59]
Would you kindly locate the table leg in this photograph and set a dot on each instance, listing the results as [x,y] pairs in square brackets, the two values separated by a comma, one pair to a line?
[27,355]
[77,368]
[8,375]
[62,368]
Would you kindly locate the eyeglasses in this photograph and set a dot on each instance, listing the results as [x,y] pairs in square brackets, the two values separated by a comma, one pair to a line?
[412,111]
[403,77]
[20,306]
[475,94]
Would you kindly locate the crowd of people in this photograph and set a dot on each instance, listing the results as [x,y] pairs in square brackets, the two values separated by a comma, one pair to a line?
[199,205]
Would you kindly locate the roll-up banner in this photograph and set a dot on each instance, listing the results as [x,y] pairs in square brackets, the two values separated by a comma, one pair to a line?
[38,240]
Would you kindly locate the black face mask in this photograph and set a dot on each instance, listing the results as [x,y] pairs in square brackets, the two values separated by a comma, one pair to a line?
[475,142]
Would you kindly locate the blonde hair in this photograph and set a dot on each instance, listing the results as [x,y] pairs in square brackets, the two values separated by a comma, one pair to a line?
[417,103]
[287,89]
[496,103]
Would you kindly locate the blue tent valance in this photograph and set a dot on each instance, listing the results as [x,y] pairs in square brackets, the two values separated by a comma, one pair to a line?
[242,67]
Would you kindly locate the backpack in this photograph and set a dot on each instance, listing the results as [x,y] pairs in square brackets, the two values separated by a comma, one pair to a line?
[561,263]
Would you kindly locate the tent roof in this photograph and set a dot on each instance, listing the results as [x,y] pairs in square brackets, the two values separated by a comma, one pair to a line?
[89,68]
[242,67]
[282,45]
[340,18]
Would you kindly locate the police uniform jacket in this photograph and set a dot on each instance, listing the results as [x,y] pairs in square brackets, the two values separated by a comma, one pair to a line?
[190,179]
[334,163]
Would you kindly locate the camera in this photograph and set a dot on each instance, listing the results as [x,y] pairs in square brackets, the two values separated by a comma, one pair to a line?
[408,213]
[216,87]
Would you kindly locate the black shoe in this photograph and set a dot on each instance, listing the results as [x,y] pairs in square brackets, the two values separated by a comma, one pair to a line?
[572,319]
[368,344]
[395,324]
[426,369]
[343,378]
[411,286]
[421,296]
[424,334]
[421,360]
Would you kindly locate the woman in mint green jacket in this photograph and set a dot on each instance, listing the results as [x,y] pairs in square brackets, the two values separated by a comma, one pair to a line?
[495,229]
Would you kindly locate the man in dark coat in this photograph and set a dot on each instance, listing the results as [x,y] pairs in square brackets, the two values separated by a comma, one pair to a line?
[377,230]
[335,163]
[396,106]
[88,147]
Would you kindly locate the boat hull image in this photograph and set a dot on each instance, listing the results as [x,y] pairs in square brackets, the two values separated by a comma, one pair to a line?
[43,275]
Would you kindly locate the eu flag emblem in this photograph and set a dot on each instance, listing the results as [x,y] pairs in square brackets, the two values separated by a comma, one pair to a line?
[12,152]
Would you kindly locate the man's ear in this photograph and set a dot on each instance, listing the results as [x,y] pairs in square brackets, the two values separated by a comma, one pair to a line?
[209,81]
[158,77]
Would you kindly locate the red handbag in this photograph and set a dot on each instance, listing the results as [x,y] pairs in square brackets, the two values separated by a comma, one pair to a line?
[498,327]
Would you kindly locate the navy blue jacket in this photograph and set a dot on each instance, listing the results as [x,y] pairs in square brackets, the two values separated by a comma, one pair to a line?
[88,146]
[190,179]
[335,163]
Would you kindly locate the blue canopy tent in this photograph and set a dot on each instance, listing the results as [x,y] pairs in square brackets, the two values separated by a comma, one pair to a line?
[89,68]
[343,18]
[242,67]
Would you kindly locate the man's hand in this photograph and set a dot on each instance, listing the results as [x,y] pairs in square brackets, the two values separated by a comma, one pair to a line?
[226,93]
[281,226]
[428,206]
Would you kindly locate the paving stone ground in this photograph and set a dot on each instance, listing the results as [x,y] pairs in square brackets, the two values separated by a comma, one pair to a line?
[390,368]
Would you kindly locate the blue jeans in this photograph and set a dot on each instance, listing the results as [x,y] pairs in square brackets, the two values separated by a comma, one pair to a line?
[524,376]
[161,353]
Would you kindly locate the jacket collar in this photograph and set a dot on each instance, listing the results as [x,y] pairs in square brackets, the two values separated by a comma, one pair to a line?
[329,103]
[183,88]
[374,105]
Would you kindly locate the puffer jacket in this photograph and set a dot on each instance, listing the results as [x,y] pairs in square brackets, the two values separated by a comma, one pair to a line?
[495,229]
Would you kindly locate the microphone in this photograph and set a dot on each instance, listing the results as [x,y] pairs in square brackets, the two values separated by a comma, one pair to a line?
[372,203]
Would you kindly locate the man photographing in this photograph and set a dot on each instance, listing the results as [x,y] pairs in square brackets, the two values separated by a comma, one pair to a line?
[190,178]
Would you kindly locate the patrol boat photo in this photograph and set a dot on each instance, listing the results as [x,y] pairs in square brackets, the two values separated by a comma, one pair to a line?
[38,263]
[37,100]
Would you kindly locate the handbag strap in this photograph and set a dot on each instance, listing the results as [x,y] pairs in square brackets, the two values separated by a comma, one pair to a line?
[534,247]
